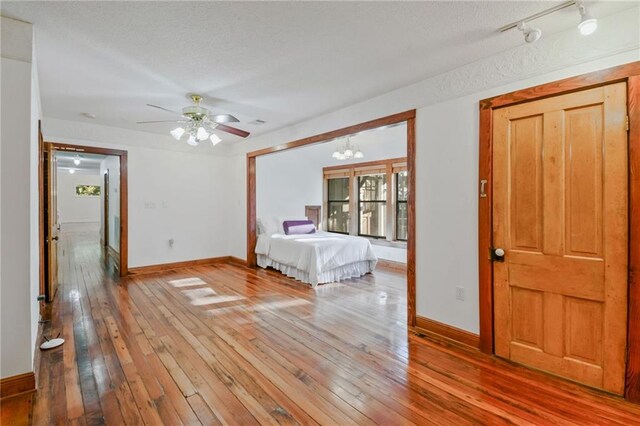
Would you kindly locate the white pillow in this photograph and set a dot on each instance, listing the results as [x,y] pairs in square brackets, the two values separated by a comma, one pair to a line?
[266,226]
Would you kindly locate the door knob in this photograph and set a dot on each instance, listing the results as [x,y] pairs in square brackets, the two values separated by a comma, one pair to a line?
[55,238]
[496,254]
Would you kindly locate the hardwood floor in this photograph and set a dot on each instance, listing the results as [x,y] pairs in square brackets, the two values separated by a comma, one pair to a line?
[226,344]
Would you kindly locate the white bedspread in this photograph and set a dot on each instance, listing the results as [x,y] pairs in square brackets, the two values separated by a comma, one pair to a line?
[317,253]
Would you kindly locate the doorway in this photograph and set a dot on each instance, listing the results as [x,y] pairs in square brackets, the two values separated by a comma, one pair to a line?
[73,196]
[407,117]
[559,229]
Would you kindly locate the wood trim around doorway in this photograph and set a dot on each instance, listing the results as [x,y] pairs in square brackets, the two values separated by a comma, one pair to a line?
[124,193]
[409,117]
[629,73]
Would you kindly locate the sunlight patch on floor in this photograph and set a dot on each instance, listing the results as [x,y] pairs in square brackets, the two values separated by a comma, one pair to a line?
[197,293]
[186,282]
[212,300]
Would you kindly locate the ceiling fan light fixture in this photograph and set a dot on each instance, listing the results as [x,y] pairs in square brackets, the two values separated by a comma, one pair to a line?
[336,155]
[215,139]
[202,134]
[198,122]
[177,133]
[358,154]
[76,160]
[192,140]
[72,171]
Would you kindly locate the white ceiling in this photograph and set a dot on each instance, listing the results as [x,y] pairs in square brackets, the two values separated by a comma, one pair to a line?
[282,62]
[89,163]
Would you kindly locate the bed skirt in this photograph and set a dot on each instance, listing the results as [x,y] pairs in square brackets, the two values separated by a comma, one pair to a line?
[352,270]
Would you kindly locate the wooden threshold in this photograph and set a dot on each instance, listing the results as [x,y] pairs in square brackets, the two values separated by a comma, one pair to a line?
[185,264]
[441,330]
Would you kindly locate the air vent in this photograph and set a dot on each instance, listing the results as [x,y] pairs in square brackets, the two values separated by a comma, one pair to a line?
[257,122]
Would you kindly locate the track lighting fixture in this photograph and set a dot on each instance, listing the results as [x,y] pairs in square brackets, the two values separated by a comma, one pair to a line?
[588,24]
[531,35]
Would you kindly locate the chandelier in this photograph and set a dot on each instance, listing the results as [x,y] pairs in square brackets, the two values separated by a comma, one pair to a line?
[347,151]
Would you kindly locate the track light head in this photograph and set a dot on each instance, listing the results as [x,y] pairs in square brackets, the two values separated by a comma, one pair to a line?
[588,24]
[531,35]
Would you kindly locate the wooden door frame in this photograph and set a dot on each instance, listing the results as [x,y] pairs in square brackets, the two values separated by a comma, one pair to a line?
[105,208]
[630,74]
[124,182]
[410,118]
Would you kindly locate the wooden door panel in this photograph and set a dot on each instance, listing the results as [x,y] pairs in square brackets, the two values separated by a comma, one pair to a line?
[561,275]
[583,180]
[583,321]
[528,317]
[560,214]
[526,179]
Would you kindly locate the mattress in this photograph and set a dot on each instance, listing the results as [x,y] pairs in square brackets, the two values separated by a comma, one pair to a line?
[317,258]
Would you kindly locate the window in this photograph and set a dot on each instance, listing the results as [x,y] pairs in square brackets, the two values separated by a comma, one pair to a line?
[338,205]
[402,190]
[368,199]
[372,205]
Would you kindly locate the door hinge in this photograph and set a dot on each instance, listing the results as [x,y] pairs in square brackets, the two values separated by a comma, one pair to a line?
[627,123]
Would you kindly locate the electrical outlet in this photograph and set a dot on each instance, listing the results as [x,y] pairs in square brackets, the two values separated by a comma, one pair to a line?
[460,293]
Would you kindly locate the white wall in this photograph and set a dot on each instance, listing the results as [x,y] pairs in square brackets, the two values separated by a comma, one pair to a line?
[73,208]
[172,194]
[112,164]
[18,272]
[36,115]
[287,181]
[447,151]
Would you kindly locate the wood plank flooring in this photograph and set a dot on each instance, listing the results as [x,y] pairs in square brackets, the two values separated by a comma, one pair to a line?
[230,345]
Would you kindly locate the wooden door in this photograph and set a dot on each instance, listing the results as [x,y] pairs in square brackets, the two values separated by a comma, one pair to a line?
[560,215]
[53,227]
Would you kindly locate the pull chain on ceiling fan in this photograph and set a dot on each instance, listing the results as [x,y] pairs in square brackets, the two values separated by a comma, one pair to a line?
[198,124]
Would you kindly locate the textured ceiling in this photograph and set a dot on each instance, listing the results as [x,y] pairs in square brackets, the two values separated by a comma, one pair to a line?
[281,62]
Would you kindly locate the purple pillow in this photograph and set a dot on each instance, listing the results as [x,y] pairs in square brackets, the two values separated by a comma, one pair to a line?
[292,227]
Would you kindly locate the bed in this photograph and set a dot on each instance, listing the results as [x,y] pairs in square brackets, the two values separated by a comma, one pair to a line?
[316,258]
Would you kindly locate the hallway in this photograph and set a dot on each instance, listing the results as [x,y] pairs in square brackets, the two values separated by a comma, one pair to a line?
[226,344]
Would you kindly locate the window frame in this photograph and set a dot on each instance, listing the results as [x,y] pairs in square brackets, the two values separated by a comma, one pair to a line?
[390,167]
[398,202]
[329,201]
[360,202]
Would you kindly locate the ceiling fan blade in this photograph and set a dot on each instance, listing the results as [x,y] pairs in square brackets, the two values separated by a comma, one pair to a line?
[224,118]
[232,130]
[163,108]
[159,121]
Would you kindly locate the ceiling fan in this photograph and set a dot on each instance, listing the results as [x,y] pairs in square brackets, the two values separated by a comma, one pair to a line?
[198,123]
